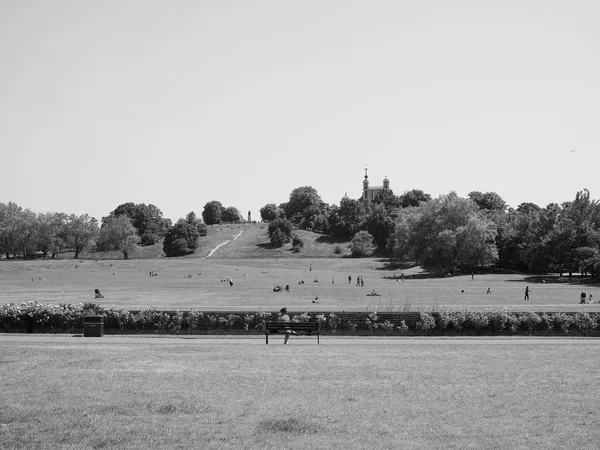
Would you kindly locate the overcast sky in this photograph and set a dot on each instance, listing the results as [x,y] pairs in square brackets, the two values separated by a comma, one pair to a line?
[177,103]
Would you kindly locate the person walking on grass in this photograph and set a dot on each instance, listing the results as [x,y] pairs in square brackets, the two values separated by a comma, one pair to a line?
[283,317]
[526,293]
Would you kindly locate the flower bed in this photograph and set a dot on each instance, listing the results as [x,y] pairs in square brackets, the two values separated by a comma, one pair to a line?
[67,318]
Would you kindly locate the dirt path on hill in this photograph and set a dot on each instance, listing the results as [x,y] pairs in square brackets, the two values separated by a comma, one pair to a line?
[222,244]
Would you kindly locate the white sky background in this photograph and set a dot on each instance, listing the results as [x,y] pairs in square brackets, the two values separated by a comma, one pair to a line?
[177,103]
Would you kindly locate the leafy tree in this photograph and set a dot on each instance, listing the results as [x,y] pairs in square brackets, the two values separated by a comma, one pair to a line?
[26,233]
[147,220]
[80,232]
[576,230]
[362,244]
[388,200]
[414,197]
[212,212]
[314,218]
[280,232]
[347,219]
[230,214]
[49,229]
[118,233]
[445,234]
[380,225]
[489,201]
[9,218]
[269,212]
[304,206]
[297,243]
[181,239]
[197,222]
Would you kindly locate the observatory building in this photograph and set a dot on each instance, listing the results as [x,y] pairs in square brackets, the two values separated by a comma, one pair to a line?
[370,192]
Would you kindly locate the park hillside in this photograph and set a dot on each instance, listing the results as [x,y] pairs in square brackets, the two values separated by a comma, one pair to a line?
[445,235]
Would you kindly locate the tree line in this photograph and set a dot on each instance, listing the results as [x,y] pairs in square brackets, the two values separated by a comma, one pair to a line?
[444,234]
[449,233]
[26,234]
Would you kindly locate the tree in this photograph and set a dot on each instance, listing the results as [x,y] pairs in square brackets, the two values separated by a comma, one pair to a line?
[280,232]
[269,212]
[414,197]
[388,200]
[212,212]
[575,232]
[362,244]
[9,218]
[304,206]
[489,201]
[347,219]
[448,233]
[49,230]
[197,222]
[297,243]
[26,233]
[181,239]
[80,232]
[380,225]
[147,220]
[230,214]
[118,233]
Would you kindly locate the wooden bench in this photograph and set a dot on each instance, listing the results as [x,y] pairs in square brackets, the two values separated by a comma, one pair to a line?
[281,327]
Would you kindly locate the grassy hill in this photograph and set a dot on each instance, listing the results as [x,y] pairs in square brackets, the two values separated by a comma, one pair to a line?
[238,241]
[248,241]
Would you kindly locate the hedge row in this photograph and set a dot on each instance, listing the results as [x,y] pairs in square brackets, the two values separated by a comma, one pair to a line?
[33,316]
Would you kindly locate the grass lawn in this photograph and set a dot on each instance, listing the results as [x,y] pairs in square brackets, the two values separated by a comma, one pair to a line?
[63,392]
[186,283]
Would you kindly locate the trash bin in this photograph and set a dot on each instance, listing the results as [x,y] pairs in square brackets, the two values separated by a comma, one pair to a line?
[93,326]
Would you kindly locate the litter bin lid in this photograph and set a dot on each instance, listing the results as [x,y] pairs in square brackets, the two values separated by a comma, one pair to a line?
[93,319]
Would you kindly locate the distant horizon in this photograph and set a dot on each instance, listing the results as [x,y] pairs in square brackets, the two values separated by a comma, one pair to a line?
[179,104]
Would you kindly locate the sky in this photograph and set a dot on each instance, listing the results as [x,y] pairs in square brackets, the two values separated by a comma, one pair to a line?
[178,103]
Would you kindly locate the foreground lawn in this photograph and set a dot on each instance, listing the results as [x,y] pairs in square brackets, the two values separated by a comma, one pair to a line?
[197,284]
[64,392]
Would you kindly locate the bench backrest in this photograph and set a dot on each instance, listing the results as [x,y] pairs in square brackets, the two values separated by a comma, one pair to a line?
[301,326]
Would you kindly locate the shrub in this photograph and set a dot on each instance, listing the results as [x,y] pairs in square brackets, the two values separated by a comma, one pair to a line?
[457,319]
[321,321]
[530,321]
[386,325]
[371,322]
[497,320]
[512,322]
[477,320]
[584,323]
[426,323]
[280,232]
[362,244]
[333,322]
[337,249]
[351,326]
[562,322]
[297,243]
[547,323]
[403,328]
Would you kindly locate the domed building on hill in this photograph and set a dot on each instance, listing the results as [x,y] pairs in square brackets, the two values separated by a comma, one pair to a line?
[370,192]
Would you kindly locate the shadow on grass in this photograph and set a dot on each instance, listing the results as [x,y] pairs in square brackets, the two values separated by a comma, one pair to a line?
[326,239]
[390,264]
[575,280]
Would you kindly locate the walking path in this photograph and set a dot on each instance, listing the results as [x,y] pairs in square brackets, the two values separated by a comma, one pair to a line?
[223,243]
